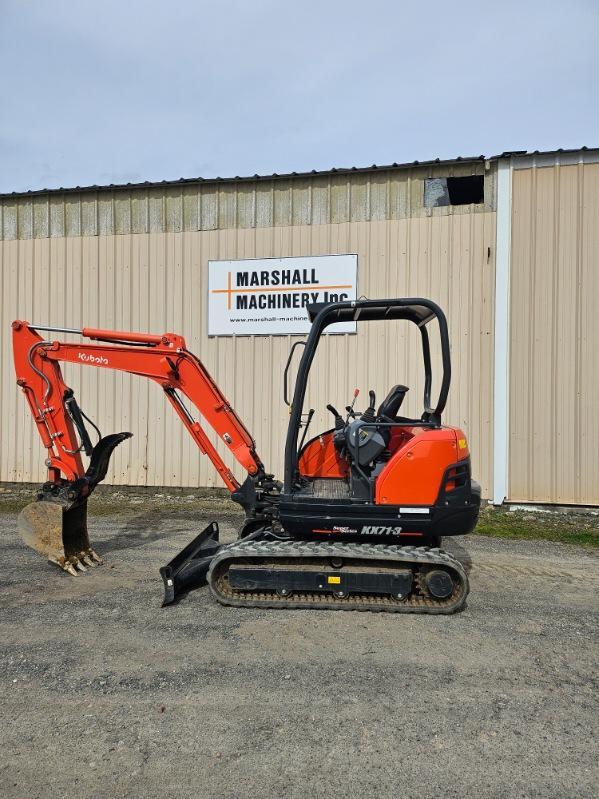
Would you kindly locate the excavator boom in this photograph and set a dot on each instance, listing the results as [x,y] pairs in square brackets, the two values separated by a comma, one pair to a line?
[162,358]
[56,524]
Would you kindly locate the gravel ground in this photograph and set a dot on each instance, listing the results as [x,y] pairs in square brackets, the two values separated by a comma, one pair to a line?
[105,694]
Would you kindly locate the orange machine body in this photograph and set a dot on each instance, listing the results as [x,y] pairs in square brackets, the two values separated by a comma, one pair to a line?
[414,473]
[320,458]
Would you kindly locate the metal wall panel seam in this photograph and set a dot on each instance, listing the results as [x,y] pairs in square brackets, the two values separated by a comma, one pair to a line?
[555,317]
[501,375]
[579,326]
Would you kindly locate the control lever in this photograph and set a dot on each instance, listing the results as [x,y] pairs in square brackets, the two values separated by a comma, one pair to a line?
[338,420]
[369,414]
[350,408]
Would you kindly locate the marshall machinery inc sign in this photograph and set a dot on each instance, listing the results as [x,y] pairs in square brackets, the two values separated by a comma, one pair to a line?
[269,296]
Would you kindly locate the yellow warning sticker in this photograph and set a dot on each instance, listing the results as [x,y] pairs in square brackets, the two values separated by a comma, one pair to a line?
[462,443]
[333,580]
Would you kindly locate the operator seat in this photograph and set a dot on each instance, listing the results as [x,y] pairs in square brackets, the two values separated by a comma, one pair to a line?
[392,403]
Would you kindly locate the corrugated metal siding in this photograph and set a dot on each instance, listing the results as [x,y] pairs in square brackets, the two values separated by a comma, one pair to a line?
[376,195]
[554,424]
[158,281]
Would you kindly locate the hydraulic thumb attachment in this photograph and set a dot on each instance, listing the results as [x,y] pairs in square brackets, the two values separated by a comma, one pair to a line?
[56,524]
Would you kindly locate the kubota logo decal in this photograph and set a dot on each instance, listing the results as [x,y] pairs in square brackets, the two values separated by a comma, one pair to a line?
[100,360]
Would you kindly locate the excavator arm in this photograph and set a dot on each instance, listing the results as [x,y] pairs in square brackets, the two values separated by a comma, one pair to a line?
[164,359]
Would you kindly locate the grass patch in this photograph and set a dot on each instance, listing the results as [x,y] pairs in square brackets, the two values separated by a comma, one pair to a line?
[567,527]
[13,505]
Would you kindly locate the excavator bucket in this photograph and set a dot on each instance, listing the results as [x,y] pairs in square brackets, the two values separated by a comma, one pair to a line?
[59,534]
[56,525]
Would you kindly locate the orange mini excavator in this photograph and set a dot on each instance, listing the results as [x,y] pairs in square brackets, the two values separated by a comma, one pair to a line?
[356,522]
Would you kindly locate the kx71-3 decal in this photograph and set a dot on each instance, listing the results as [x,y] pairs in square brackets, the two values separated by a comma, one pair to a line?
[370,529]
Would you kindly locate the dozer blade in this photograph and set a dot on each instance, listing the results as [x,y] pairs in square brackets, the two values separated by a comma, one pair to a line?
[188,569]
[58,534]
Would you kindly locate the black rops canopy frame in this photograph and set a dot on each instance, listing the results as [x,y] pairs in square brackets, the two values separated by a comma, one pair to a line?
[414,309]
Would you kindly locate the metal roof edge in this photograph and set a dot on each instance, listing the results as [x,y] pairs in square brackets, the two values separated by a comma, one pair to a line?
[528,153]
[166,184]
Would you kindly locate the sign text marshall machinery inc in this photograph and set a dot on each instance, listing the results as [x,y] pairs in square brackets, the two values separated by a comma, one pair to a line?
[269,296]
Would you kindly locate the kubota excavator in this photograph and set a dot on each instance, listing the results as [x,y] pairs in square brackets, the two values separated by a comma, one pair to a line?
[358,519]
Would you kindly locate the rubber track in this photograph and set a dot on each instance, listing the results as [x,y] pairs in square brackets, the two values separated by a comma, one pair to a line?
[284,551]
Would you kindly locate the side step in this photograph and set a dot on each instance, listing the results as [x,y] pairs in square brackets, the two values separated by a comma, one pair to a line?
[189,568]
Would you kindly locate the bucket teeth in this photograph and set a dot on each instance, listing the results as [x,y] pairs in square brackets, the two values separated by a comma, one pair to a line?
[60,535]
[74,564]
[68,567]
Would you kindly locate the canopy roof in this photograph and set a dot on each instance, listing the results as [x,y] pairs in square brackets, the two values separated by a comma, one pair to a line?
[417,310]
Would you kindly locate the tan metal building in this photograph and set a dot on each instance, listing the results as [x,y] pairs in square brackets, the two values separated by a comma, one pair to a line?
[507,246]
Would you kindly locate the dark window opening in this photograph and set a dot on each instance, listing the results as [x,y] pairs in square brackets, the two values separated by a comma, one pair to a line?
[454,191]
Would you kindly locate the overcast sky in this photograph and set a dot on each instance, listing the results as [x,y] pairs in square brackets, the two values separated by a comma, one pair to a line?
[132,90]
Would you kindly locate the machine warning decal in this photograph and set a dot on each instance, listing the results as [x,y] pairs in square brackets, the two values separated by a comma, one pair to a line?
[333,579]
